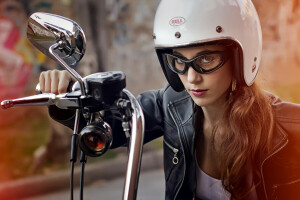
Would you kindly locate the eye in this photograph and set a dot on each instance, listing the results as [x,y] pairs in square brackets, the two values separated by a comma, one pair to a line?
[179,61]
[207,59]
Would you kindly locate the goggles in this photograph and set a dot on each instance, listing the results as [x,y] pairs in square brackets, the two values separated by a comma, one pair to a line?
[204,63]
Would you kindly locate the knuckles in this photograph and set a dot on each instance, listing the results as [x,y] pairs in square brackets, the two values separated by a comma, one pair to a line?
[62,90]
[50,81]
[54,81]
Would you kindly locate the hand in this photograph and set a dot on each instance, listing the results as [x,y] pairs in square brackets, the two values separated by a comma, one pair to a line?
[55,81]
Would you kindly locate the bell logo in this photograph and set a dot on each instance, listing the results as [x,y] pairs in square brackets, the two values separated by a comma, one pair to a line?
[177,21]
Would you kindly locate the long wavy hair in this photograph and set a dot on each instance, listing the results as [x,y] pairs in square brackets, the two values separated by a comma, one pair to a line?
[246,130]
[248,125]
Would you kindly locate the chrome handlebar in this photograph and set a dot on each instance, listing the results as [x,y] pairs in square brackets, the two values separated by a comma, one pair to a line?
[136,138]
[46,99]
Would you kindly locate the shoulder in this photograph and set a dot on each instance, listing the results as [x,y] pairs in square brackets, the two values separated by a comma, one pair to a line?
[287,116]
[163,96]
[284,111]
[285,165]
[165,101]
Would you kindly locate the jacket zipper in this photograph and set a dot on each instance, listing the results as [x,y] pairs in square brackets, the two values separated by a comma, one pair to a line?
[278,185]
[182,150]
[283,145]
[289,183]
[175,158]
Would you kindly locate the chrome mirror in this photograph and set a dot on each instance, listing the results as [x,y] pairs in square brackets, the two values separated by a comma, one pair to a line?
[60,39]
[45,29]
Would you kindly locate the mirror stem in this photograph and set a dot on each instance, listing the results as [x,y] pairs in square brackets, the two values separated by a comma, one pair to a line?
[64,64]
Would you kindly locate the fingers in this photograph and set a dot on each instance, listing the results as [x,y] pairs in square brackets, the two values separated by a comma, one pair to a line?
[54,81]
[42,82]
[65,79]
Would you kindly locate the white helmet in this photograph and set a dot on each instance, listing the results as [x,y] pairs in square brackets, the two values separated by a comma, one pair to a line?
[183,23]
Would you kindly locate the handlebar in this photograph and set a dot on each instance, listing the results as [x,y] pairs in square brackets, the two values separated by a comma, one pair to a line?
[73,100]
[47,99]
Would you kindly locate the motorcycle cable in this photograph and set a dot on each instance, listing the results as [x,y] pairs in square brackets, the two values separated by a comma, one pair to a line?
[73,161]
[71,180]
[74,145]
[83,160]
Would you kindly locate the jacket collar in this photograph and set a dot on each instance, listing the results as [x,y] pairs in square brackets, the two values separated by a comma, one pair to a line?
[182,107]
[280,137]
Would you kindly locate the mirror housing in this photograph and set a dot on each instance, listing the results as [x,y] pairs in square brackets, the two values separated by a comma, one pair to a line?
[45,30]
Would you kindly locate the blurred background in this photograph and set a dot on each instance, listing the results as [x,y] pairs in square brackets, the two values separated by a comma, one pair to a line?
[119,37]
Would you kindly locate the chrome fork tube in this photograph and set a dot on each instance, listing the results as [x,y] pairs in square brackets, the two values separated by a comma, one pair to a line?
[135,150]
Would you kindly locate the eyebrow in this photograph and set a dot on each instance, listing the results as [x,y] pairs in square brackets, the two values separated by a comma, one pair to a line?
[198,54]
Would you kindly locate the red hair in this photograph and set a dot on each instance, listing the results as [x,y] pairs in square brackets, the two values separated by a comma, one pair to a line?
[245,131]
[248,124]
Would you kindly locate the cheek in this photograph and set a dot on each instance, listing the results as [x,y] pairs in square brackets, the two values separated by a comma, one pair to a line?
[183,79]
[223,77]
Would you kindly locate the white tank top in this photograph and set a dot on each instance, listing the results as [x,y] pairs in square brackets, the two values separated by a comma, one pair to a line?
[209,188]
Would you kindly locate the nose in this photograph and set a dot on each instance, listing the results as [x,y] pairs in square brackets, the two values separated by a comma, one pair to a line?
[193,76]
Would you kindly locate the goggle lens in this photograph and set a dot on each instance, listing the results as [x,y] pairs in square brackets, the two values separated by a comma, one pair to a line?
[204,63]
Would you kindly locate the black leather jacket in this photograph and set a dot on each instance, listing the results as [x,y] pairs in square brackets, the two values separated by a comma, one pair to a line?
[170,114]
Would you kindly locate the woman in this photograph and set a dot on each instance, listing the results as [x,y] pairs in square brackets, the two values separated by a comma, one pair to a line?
[224,138]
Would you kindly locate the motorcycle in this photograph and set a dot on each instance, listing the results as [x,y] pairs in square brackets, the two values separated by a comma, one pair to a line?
[90,97]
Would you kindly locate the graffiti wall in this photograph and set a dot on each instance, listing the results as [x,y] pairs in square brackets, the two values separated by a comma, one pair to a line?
[16,55]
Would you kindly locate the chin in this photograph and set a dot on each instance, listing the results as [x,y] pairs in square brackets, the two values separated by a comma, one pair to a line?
[209,101]
[202,102]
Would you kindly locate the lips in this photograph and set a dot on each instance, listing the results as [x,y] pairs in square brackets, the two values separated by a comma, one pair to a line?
[198,92]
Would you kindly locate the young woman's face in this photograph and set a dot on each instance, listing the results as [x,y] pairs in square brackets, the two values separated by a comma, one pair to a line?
[206,89]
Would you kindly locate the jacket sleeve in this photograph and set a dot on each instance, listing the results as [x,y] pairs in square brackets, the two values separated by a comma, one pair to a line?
[150,101]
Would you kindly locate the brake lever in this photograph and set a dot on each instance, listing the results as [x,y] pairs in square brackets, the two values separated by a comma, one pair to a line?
[63,101]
